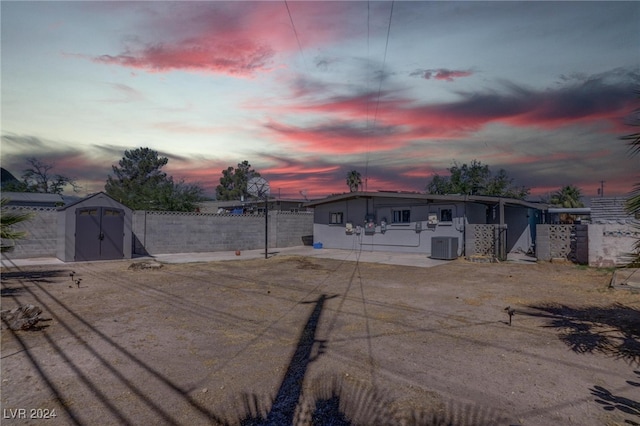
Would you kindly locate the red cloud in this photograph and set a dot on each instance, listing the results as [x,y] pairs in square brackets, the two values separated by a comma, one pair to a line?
[596,102]
[236,38]
[339,137]
[240,57]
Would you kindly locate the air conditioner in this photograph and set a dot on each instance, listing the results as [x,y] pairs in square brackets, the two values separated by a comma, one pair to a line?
[444,248]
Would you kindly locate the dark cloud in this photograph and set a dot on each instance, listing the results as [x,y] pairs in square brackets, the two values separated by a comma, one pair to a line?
[441,74]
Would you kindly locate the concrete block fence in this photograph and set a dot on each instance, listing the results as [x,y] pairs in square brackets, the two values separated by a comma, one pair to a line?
[175,232]
[41,233]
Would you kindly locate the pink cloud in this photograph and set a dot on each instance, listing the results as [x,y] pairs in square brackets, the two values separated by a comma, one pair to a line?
[235,38]
[338,137]
[240,57]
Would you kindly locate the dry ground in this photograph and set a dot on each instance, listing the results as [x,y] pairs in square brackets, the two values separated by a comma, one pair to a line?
[289,338]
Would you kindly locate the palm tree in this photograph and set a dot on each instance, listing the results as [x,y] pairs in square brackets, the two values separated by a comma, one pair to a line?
[633,202]
[7,220]
[568,197]
[354,180]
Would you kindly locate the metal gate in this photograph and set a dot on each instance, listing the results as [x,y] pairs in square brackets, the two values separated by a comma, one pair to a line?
[99,233]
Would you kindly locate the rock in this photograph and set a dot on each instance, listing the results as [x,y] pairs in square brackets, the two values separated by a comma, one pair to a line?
[151,264]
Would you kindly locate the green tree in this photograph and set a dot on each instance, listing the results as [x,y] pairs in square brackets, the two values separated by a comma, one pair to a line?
[39,177]
[475,179]
[354,180]
[8,219]
[139,183]
[569,196]
[233,183]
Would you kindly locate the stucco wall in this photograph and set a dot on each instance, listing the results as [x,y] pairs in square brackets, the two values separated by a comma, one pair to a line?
[610,244]
[399,237]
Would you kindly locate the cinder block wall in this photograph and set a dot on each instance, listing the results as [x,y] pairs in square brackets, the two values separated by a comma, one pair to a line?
[291,227]
[42,233]
[173,232]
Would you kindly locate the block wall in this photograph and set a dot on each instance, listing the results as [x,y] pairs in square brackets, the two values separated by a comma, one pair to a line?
[42,233]
[174,232]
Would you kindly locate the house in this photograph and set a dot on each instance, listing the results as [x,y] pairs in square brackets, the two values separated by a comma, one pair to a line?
[421,223]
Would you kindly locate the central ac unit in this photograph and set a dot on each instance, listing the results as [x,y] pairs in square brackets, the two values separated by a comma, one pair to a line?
[444,248]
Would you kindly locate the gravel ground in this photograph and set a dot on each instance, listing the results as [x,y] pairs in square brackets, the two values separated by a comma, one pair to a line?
[292,339]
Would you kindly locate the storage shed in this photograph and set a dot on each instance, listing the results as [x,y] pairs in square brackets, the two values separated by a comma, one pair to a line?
[94,228]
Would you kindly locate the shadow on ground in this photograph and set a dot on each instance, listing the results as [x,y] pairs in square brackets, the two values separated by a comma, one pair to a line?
[332,401]
[612,402]
[612,330]
[326,401]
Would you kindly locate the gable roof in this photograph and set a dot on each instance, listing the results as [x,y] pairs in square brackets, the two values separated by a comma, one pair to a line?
[482,199]
[88,197]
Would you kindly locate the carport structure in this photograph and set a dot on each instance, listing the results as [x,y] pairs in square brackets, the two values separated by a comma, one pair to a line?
[94,228]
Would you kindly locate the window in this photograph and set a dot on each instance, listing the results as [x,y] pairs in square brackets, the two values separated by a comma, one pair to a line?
[401,216]
[336,218]
[446,215]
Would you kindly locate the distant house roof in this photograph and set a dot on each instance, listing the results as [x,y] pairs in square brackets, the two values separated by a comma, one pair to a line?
[33,199]
[213,206]
[428,197]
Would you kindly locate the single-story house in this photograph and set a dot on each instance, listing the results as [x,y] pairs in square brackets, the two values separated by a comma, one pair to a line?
[442,226]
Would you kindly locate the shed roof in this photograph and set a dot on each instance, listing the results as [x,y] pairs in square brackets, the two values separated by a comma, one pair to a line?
[428,197]
[88,197]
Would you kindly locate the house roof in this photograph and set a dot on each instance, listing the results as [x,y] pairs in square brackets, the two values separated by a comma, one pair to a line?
[32,198]
[428,198]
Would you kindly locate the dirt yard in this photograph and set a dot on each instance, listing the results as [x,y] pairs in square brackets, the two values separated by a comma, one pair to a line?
[295,340]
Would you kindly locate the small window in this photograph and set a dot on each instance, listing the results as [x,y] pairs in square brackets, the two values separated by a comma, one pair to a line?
[401,216]
[446,215]
[336,218]
[89,212]
[108,212]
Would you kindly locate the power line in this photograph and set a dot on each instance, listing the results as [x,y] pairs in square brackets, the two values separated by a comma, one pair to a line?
[384,61]
[294,30]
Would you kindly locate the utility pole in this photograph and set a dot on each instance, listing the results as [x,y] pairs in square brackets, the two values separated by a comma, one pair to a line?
[601,190]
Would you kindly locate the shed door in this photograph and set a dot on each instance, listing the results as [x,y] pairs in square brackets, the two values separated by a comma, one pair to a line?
[99,233]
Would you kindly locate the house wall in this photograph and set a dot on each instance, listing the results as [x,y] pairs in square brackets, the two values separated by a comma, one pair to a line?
[399,237]
[176,232]
[519,239]
[42,237]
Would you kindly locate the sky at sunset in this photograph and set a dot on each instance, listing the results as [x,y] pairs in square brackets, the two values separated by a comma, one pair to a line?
[307,91]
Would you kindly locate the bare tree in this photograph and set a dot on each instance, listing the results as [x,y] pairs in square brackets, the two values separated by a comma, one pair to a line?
[40,177]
